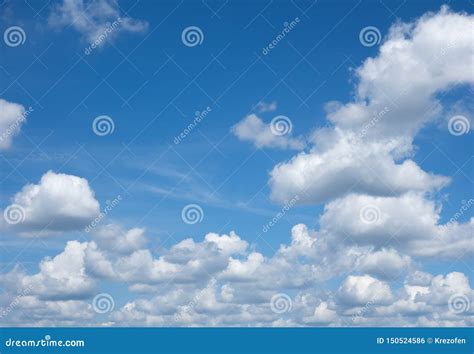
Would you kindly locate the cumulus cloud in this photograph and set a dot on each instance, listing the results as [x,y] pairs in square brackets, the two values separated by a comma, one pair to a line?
[363,289]
[220,281]
[12,117]
[360,267]
[434,52]
[342,164]
[408,222]
[254,130]
[93,18]
[59,202]
[114,238]
[368,148]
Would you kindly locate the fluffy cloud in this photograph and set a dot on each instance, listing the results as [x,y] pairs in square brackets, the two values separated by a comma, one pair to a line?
[114,238]
[363,289]
[253,129]
[385,264]
[434,52]
[220,281]
[59,202]
[377,225]
[368,148]
[342,164]
[93,18]
[63,277]
[12,117]
[408,222]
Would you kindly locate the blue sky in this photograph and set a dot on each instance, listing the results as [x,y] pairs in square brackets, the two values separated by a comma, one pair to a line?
[151,84]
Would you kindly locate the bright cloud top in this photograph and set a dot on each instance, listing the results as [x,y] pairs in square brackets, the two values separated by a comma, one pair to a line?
[59,202]
[396,97]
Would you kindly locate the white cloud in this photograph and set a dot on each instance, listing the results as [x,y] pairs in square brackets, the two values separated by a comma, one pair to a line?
[434,52]
[343,164]
[93,18]
[227,244]
[363,289]
[12,117]
[385,264]
[63,277]
[367,148]
[59,202]
[322,315]
[408,222]
[114,238]
[254,130]
[203,283]
[376,227]
[263,107]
